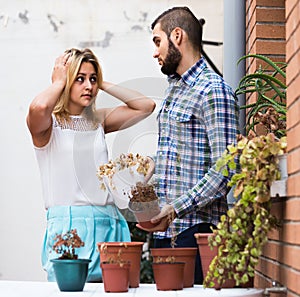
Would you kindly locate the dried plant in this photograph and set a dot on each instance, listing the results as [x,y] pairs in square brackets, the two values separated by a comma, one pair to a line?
[65,244]
[169,259]
[124,161]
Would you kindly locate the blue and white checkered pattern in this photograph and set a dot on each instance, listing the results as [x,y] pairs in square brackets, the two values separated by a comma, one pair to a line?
[197,121]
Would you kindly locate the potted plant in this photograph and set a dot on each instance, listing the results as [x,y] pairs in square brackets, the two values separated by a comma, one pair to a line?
[268,113]
[168,273]
[143,202]
[241,235]
[115,268]
[131,252]
[70,272]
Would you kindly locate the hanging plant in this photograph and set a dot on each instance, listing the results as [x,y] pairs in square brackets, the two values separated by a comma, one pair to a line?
[241,235]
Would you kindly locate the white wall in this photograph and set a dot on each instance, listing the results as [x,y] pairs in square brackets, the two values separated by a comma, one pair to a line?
[32,34]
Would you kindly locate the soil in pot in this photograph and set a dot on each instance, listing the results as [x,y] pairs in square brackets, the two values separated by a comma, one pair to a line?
[168,275]
[71,274]
[115,276]
[128,252]
[144,204]
[181,254]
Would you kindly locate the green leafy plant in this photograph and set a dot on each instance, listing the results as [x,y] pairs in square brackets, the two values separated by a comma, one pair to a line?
[65,244]
[269,109]
[241,235]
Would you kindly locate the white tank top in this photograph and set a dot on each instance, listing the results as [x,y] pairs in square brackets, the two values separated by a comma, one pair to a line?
[69,161]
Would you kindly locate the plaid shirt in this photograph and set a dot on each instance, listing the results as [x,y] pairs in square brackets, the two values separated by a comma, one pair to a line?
[197,120]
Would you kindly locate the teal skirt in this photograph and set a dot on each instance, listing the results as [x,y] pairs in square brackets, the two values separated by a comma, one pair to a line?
[93,223]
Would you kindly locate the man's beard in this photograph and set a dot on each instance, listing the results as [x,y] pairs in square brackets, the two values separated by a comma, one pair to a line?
[172,60]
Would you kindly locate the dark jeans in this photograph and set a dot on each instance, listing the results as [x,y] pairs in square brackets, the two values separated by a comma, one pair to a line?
[187,239]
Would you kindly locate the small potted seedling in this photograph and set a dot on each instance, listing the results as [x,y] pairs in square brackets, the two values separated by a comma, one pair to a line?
[70,271]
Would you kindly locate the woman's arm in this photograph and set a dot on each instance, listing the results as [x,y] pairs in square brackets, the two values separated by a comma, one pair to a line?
[39,120]
[137,107]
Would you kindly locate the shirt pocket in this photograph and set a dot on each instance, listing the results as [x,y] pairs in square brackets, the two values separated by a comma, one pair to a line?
[181,125]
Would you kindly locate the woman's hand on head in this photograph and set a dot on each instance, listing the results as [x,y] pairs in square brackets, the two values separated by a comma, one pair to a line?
[59,73]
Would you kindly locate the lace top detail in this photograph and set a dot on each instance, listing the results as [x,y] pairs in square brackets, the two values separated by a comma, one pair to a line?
[76,123]
[69,161]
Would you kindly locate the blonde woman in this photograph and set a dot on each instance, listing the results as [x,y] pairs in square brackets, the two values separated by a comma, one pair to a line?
[68,135]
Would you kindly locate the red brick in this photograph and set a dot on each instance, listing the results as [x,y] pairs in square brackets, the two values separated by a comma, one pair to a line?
[292,47]
[289,6]
[293,69]
[291,257]
[266,47]
[292,20]
[274,3]
[292,210]
[270,31]
[273,250]
[270,14]
[293,90]
[292,185]
[291,233]
[293,138]
[269,268]
[293,115]
[294,161]
[282,253]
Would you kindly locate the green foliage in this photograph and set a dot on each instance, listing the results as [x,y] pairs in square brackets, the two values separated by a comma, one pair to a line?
[270,108]
[241,235]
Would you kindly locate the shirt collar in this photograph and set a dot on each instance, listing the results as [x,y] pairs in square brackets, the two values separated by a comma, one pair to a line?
[191,74]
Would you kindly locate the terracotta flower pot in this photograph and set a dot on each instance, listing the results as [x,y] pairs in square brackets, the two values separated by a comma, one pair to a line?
[181,254]
[206,253]
[70,274]
[168,276]
[144,212]
[127,251]
[115,276]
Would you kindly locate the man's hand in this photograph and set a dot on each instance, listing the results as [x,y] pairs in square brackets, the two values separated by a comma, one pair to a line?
[163,219]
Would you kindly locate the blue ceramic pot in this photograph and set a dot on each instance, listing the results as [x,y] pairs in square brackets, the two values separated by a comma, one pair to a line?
[71,275]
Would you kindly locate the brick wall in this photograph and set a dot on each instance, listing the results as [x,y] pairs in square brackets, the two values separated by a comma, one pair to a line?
[273,29]
[291,230]
[265,33]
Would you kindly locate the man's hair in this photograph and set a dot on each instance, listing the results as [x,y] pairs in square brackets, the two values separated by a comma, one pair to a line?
[183,18]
